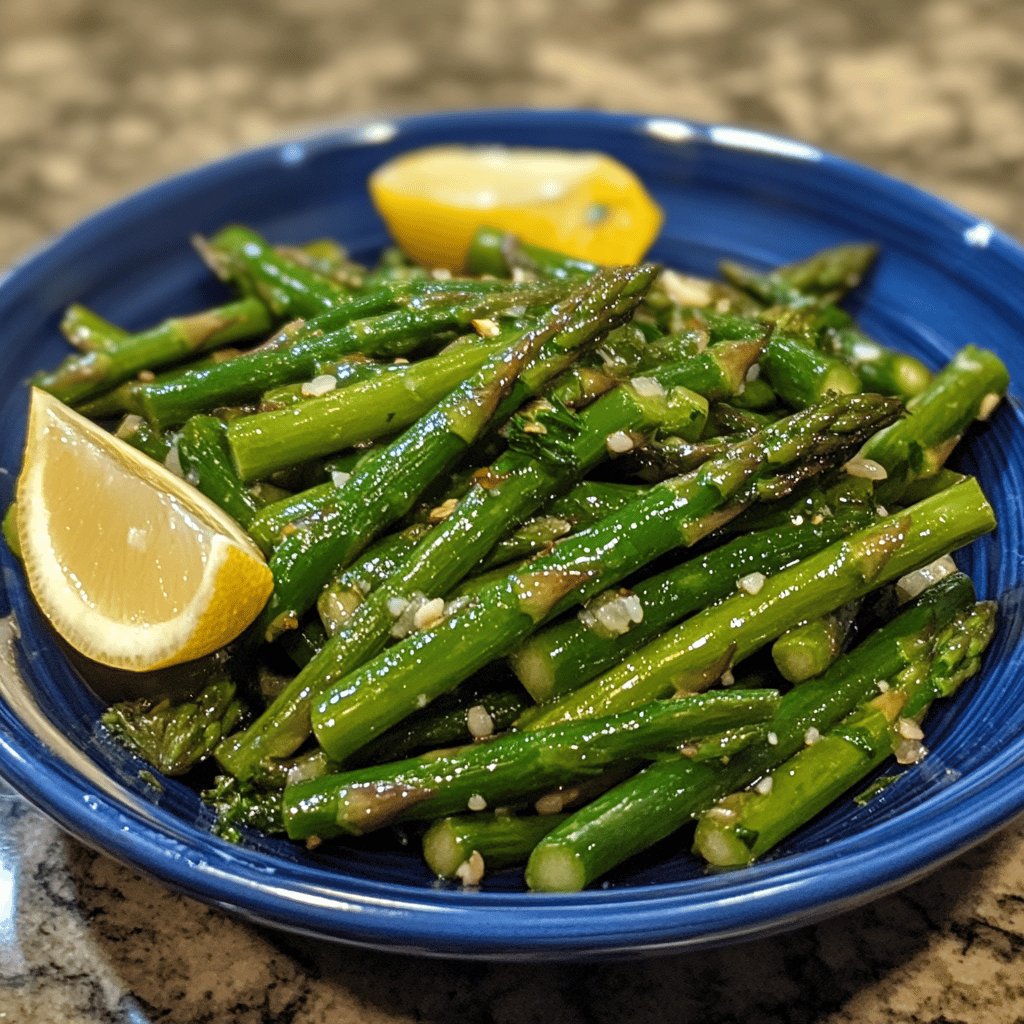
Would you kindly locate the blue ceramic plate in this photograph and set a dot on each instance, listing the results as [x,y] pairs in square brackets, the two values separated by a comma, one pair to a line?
[944,279]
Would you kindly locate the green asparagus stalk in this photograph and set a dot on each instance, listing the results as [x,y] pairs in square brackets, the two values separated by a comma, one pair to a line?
[357,706]
[469,716]
[274,520]
[693,655]
[89,332]
[346,592]
[508,767]
[206,462]
[467,845]
[718,373]
[824,277]
[310,347]
[745,825]
[287,287]
[880,369]
[80,377]
[664,796]
[801,375]
[568,654]
[499,253]
[327,258]
[968,388]
[808,649]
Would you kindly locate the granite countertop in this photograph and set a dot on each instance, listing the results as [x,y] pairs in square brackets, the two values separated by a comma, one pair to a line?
[99,97]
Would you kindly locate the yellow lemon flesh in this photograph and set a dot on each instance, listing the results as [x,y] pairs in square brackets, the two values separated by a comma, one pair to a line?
[132,565]
[584,204]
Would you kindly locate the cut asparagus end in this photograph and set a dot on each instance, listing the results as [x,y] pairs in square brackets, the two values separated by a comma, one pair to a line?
[555,869]
[535,672]
[443,849]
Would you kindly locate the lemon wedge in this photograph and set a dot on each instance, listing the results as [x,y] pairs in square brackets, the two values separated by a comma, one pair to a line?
[132,565]
[584,204]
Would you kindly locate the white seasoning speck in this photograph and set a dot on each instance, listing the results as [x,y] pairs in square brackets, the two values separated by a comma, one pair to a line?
[882,685]
[866,469]
[444,510]
[812,736]
[128,425]
[909,729]
[339,479]
[764,786]
[684,290]
[319,385]
[397,605]
[987,406]
[728,679]
[550,803]
[909,586]
[476,803]
[721,813]
[753,373]
[485,328]
[773,739]
[471,870]
[751,583]
[910,751]
[619,442]
[173,461]
[441,274]
[421,701]
[479,722]
[648,387]
[429,614]
[400,361]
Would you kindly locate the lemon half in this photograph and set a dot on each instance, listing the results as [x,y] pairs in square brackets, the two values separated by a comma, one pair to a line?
[131,564]
[584,204]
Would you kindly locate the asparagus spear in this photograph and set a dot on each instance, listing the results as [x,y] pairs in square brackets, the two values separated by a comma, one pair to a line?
[82,376]
[745,825]
[968,388]
[568,654]
[510,766]
[327,258]
[879,368]
[345,593]
[356,707]
[277,518]
[499,253]
[466,845]
[206,461]
[310,347]
[471,715]
[286,286]
[801,375]
[822,278]
[89,332]
[665,795]
[808,649]
[388,484]
[692,655]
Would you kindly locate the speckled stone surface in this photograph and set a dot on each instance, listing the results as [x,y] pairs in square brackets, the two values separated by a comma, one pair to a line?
[99,97]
